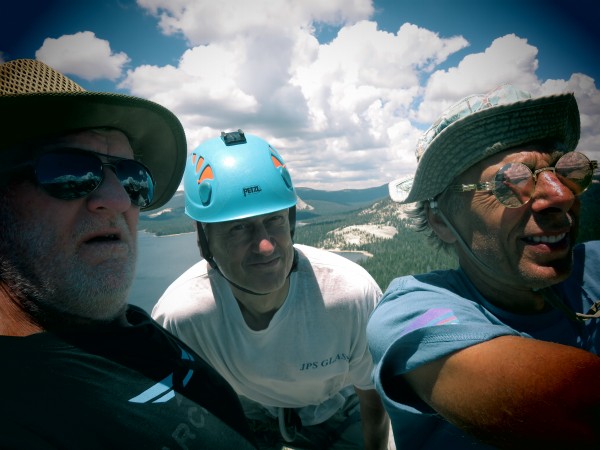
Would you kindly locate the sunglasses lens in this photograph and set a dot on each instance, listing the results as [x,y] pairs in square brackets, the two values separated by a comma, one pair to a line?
[137,181]
[68,175]
[574,171]
[514,185]
[74,174]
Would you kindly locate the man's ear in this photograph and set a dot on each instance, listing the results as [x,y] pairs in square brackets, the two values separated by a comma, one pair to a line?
[437,223]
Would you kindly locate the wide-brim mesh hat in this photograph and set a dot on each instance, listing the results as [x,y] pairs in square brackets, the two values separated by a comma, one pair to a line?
[38,102]
[482,125]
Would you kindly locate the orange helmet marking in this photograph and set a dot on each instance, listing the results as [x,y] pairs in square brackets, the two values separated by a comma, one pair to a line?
[199,163]
[276,162]
[207,174]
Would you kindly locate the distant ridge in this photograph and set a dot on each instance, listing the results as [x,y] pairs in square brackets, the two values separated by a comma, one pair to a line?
[346,196]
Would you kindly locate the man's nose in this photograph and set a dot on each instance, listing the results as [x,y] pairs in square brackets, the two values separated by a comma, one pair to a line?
[110,194]
[551,192]
[263,239]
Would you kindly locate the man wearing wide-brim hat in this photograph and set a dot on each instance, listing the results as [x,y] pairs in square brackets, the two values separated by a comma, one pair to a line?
[80,367]
[501,352]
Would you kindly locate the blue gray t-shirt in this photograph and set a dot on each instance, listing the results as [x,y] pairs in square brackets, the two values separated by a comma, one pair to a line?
[425,317]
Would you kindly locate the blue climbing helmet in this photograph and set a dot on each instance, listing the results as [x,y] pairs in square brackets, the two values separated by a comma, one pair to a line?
[233,177]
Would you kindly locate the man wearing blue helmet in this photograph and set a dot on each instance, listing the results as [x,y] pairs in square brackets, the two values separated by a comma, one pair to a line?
[283,323]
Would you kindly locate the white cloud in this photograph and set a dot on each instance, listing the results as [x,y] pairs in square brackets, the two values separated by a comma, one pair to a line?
[509,59]
[359,89]
[588,100]
[206,21]
[84,55]
[344,114]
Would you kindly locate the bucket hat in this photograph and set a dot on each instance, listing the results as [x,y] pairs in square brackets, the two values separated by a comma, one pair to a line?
[480,126]
[38,102]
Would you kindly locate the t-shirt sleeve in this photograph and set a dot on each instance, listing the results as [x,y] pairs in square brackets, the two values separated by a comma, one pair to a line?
[418,322]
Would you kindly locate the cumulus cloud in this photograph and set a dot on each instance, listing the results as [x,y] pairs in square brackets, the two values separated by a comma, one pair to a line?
[345,113]
[588,100]
[84,55]
[509,59]
[204,22]
[360,89]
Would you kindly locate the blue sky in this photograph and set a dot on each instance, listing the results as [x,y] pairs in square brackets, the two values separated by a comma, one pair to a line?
[341,88]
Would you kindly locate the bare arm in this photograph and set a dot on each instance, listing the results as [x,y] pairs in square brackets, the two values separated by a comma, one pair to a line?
[517,392]
[374,420]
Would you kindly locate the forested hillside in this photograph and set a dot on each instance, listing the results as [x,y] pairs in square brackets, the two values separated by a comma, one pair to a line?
[405,253]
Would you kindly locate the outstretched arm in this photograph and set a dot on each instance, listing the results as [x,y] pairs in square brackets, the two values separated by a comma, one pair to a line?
[517,392]
[374,419]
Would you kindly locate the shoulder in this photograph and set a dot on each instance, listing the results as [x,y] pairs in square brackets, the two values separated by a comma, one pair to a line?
[319,260]
[194,278]
[189,293]
[442,283]
[432,306]
[586,257]
[417,322]
[582,287]
[443,289]
[409,296]
[341,278]
[587,252]
[339,282]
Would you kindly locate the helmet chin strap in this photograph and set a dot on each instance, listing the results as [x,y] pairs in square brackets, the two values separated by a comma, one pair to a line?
[237,286]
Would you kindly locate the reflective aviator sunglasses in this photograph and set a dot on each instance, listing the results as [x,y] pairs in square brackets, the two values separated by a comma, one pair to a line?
[514,183]
[70,173]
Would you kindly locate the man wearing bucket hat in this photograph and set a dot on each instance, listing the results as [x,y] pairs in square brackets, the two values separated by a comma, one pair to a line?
[501,352]
[285,324]
[81,368]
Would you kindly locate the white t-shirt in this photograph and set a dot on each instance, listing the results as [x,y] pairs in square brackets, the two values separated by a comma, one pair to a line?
[314,347]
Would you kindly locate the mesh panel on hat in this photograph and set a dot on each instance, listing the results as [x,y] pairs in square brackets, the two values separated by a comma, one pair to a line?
[26,76]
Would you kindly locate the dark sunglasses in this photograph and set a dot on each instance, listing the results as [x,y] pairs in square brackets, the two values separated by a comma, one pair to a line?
[71,173]
[514,183]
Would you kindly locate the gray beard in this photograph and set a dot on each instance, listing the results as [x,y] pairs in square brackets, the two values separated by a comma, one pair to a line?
[54,293]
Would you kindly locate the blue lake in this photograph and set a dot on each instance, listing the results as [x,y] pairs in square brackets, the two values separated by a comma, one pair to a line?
[161,259]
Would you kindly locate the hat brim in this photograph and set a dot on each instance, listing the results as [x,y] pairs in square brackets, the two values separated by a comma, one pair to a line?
[155,134]
[482,134]
[399,188]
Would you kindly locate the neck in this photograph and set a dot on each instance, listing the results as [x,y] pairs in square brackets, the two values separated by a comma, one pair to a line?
[515,299]
[258,310]
[14,321]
